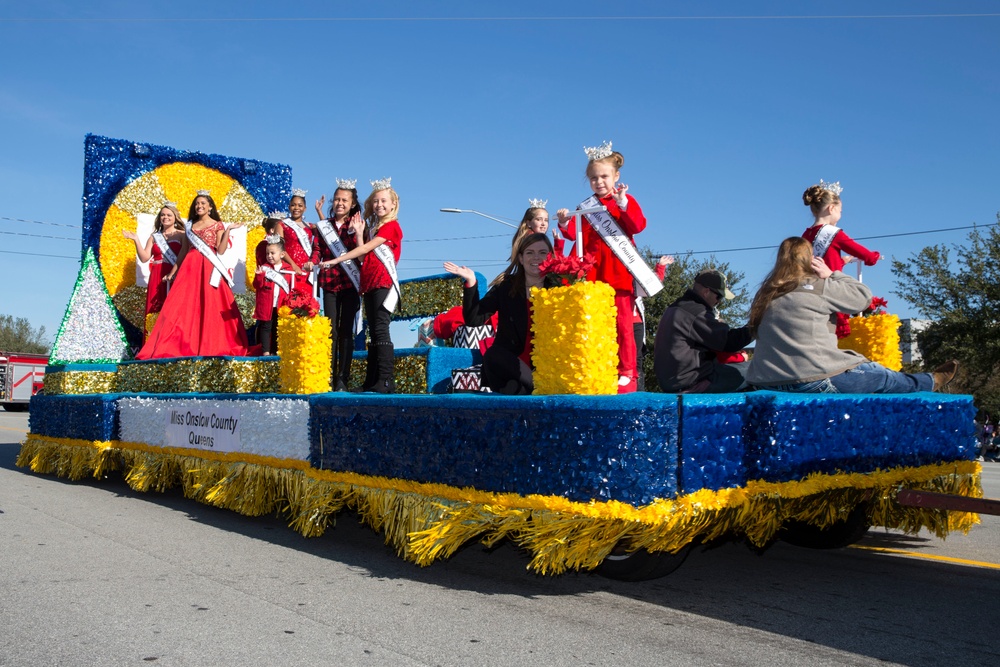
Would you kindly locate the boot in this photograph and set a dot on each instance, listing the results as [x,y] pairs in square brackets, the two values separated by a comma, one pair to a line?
[944,374]
[385,382]
[371,373]
[345,353]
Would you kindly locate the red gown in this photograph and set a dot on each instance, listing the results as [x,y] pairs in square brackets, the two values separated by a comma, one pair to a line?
[300,255]
[158,267]
[197,320]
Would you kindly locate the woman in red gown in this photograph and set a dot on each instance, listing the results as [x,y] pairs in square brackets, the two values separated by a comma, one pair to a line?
[199,318]
[168,232]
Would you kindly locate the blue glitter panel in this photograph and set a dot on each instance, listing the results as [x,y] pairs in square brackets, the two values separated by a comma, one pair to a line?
[712,441]
[793,435]
[581,447]
[111,164]
[87,417]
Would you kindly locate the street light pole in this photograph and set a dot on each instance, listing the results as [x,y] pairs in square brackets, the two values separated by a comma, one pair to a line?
[468,210]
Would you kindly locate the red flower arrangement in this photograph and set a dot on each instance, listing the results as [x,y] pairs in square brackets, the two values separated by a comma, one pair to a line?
[877,307]
[567,269]
[302,305]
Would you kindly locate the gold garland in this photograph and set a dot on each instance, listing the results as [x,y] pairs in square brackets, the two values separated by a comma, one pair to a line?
[426,522]
[210,376]
[58,383]
[877,338]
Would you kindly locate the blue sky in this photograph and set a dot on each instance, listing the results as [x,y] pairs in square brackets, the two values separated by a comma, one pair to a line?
[723,122]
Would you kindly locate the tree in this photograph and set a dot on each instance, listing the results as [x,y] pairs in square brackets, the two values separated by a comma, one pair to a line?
[17,335]
[678,278]
[962,298]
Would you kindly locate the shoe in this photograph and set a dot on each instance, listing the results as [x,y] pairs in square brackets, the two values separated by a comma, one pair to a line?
[626,384]
[944,374]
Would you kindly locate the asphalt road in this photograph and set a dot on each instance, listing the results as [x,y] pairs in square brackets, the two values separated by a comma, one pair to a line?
[92,573]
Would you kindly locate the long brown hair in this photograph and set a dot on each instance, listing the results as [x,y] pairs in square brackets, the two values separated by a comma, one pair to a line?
[514,270]
[523,229]
[793,265]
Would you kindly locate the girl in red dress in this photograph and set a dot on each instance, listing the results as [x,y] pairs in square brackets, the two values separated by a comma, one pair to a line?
[379,285]
[341,301]
[160,251]
[603,174]
[829,241]
[199,316]
[300,239]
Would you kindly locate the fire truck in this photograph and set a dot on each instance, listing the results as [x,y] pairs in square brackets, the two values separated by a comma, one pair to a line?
[21,376]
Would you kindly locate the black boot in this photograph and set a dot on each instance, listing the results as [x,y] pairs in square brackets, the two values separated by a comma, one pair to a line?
[385,382]
[371,373]
[345,352]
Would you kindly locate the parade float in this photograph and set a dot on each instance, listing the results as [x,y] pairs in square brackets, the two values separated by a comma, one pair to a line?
[583,480]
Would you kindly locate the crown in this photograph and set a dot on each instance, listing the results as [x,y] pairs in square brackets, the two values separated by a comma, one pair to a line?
[299,192]
[382,184]
[346,183]
[538,203]
[278,215]
[831,187]
[169,204]
[598,152]
[273,239]
[204,193]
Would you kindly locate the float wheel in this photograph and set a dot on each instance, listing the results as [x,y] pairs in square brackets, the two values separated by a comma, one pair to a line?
[641,565]
[836,536]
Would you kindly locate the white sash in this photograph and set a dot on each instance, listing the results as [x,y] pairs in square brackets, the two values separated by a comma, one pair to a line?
[646,282]
[220,271]
[300,233]
[824,237]
[336,246]
[161,242]
[279,281]
[384,255]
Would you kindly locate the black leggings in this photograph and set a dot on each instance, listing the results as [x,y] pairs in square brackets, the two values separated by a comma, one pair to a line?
[341,307]
[378,317]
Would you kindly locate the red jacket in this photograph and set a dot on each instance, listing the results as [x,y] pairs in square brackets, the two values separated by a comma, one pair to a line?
[264,308]
[608,268]
[842,243]
[373,272]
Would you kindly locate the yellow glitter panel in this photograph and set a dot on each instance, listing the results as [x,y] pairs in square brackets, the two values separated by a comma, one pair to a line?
[80,382]
[575,342]
[239,206]
[182,180]
[254,236]
[877,338]
[143,195]
[150,322]
[306,356]
[199,376]
[117,252]
[410,374]
[131,303]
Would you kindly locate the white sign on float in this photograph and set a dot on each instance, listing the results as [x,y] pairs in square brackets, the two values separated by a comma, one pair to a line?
[213,428]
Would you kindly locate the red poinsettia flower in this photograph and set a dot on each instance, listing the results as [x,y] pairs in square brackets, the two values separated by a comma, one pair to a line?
[303,305]
[568,268]
[876,307]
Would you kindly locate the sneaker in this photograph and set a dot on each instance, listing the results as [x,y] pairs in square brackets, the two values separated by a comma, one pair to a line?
[944,374]
[626,384]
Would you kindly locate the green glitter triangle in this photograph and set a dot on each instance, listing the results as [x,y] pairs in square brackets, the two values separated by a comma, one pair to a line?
[90,331]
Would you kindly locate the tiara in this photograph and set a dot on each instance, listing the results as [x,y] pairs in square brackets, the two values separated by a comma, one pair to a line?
[299,192]
[204,193]
[831,187]
[169,204]
[278,215]
[598,152]
[273,239]
[538,203]
[382,184]
[346,183]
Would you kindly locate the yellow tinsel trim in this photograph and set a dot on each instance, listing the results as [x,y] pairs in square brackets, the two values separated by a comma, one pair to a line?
[425,522]
[80,382]
[877,338]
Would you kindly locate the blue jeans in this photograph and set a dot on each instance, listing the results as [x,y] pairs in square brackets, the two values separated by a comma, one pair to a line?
[868,378]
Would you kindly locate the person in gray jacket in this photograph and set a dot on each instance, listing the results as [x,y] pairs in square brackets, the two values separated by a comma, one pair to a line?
[796,341]
[690,335]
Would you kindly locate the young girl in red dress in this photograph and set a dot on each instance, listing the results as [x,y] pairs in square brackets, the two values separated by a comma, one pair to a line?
[160,251]
[383,240]
[300,239]
[603,174]
[341,301]
[273,282]
[199,316]
[829,241]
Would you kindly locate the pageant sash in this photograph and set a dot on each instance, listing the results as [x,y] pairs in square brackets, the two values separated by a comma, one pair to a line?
[301,235]
[384,255]
[220,271]
[823,240]
[646,282]
[337,247]
[279,281]
[168,254]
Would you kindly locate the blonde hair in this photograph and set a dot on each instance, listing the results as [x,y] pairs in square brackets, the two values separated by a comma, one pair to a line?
[616,159]
[158,222]
[818,198]
[791,268]
[374,222]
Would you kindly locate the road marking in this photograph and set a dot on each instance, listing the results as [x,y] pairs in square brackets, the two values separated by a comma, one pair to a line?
[16,430]
[913,554]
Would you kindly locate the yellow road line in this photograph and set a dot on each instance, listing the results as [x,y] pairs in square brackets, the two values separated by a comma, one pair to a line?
[16,430]
[945,559]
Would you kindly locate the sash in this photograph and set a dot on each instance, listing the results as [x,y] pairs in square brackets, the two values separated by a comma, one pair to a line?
[161,242]
[300,233]
[646,282]
[823,240]
[279,280]
[336,246]
[220,271]
[384,255]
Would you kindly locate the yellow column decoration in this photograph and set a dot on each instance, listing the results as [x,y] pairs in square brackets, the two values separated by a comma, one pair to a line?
[304,349]
[876,337]
[575,340]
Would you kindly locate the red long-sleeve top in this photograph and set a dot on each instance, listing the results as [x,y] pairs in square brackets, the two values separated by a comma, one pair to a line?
[842,243]
[609,268]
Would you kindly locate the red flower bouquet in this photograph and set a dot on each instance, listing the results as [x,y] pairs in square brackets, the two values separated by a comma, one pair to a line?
[302,305]
[877,307]
[567,269]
